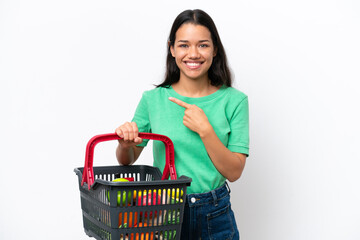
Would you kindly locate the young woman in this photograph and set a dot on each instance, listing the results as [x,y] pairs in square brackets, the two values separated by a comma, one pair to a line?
[206,119]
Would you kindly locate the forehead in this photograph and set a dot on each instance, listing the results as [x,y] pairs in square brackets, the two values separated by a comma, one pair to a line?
[192,32]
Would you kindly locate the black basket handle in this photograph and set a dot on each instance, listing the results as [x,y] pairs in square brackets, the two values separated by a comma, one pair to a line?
[88,173]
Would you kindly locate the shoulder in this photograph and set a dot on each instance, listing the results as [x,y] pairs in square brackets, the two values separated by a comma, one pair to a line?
[155,96]
[237,105]
[156,92]
[235,95]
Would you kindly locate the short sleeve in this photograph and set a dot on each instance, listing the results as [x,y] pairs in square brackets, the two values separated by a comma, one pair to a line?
[141,118]
[239,128]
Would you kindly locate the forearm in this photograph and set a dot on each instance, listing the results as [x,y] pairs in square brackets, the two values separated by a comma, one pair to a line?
[127,155]
[229,164]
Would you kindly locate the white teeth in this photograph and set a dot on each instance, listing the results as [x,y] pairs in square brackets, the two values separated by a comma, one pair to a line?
[193,64]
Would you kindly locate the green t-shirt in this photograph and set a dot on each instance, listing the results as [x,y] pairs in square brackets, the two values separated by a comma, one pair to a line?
[227,111]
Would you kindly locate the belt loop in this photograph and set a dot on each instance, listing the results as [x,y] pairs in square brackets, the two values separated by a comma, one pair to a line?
[227,186]
[213,193]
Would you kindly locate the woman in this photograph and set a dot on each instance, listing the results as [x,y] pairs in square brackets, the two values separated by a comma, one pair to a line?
[206,119]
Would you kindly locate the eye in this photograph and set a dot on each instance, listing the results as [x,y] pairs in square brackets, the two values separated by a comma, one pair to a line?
[183,45]
[204,45]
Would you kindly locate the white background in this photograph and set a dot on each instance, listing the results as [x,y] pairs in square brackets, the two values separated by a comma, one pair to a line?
[72,69]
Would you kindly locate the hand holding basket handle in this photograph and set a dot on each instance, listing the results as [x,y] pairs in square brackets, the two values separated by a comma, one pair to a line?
[88,173]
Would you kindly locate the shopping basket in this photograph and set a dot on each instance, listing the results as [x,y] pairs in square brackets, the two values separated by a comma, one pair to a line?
[148,206]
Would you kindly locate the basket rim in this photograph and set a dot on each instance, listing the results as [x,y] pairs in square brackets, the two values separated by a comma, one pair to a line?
[154,183]
[180,180]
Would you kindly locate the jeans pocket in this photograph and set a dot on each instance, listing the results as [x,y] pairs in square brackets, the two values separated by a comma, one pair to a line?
[221,224]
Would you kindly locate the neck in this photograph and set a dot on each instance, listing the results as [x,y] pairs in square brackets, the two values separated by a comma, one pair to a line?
[194,88]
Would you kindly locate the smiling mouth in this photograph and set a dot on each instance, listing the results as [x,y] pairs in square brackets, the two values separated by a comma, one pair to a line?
[193,65]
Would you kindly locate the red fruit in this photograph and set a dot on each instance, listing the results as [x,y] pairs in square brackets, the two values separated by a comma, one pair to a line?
[149,200]
[146,200]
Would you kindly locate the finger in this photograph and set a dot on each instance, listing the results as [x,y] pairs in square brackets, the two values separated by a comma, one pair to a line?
[138,140]
[119,132]
[125,134]
[179,102]
[186,121]
[126,129]
[135,129]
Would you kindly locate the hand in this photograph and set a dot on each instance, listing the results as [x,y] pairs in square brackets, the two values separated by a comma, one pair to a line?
[129,133]
[194,117]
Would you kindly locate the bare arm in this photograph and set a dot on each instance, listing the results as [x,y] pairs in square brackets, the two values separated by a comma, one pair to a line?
[229,164]
[127,155]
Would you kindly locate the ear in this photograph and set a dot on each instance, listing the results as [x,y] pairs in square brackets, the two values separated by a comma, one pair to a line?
[215,52]
[172,49]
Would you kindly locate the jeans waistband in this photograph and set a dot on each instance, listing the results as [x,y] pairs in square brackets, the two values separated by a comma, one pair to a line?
[197,199]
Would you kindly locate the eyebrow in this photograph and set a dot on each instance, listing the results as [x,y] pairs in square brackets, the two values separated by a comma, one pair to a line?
[185,41]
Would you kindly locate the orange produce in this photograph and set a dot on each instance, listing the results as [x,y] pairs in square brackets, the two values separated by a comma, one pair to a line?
[128,221]
[142,236]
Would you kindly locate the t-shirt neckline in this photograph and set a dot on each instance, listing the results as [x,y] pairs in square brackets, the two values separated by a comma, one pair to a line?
[192,100]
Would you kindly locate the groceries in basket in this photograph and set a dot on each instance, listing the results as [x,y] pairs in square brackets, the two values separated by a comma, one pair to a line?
[125,200]
[150,198]
[135,202]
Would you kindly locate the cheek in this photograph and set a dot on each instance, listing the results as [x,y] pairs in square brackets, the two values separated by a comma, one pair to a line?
[210,59]
[179,55]
[177,59]
[208,55]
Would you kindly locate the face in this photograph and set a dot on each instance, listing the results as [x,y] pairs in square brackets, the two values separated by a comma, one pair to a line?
[193,51]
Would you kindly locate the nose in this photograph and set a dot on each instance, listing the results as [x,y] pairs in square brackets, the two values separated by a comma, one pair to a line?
[194,53]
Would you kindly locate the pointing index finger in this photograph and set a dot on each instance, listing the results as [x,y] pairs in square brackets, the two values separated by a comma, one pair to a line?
[179,102]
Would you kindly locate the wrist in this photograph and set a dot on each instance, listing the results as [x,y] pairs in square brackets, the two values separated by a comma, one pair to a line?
[206,131]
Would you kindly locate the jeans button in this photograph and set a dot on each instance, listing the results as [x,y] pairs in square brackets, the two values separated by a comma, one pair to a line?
[193,200]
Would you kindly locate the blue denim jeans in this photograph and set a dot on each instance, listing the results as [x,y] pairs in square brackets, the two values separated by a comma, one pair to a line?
[209,216]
